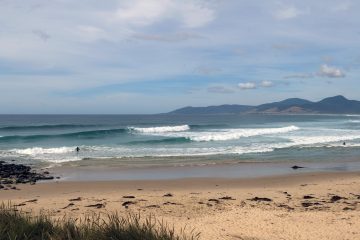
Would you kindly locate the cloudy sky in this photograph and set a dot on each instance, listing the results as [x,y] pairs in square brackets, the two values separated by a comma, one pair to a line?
[150,56]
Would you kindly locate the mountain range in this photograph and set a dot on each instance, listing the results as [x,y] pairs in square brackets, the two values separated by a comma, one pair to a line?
[331,105]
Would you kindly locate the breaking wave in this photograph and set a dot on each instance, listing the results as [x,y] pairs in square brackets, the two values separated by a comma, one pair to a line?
[233,134]
[310,140]
[225,135]
[162,129]
[40,150]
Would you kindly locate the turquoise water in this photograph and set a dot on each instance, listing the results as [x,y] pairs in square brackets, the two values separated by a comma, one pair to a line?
[177,139]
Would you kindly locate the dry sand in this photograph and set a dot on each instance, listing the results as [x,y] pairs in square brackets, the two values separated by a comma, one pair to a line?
[303,206]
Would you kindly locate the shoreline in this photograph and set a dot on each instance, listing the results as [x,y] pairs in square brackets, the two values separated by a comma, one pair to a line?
[231,170]
[293,178]
[288,180]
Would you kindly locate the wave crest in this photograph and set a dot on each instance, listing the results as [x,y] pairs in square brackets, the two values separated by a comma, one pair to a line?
[40,151]
[302,140]
[233,134]
[354,121]
[162,129]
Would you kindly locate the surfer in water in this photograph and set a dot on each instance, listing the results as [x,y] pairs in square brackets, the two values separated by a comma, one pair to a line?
[77,149]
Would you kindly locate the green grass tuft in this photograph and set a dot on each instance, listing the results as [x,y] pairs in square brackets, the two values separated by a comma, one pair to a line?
[18,225]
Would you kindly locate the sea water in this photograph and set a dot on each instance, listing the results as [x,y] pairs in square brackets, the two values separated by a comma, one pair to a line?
[138,140]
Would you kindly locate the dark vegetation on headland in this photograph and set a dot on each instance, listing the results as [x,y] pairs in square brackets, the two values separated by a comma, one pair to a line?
[18,225]
[331,105]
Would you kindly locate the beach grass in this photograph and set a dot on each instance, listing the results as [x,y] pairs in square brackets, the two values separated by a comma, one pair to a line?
[19,225]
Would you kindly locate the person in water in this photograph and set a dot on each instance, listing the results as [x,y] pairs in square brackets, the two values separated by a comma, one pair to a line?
[77,149]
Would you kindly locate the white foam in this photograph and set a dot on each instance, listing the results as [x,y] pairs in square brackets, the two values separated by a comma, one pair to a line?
[253,149]
[162,129]
[239,133]
[228,134]
[67,154]
[354,121]
[302,140]
[55,155]
[39,150]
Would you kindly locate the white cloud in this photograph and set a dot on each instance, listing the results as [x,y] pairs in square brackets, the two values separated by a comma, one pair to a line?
[287,13]
[266,83]
[190,14]
[248,85]
[325,71]
[331,72]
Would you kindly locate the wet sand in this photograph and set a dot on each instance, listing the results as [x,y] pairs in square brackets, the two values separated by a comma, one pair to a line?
[89,171]
[297,206]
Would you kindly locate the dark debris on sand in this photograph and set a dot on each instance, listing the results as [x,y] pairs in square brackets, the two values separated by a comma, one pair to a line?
[69,205]
[75,199]
[153,206]
[261,199]
[295,167]
[336,198]
[214,200]
[97,205]
[308,197]
[128,196]
[127,203]
[227,198]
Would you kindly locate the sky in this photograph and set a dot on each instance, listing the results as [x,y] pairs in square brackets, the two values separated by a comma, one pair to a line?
[153,56]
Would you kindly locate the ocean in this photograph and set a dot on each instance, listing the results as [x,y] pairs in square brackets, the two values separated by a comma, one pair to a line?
[177,140]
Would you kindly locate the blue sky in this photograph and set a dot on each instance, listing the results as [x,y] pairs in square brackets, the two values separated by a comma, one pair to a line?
[151,56]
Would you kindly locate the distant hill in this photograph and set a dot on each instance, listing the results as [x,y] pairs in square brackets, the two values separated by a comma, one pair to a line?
[332,105]
[222,109]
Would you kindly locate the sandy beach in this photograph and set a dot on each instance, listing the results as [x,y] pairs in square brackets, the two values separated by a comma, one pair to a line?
[179,120]
[296,206]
